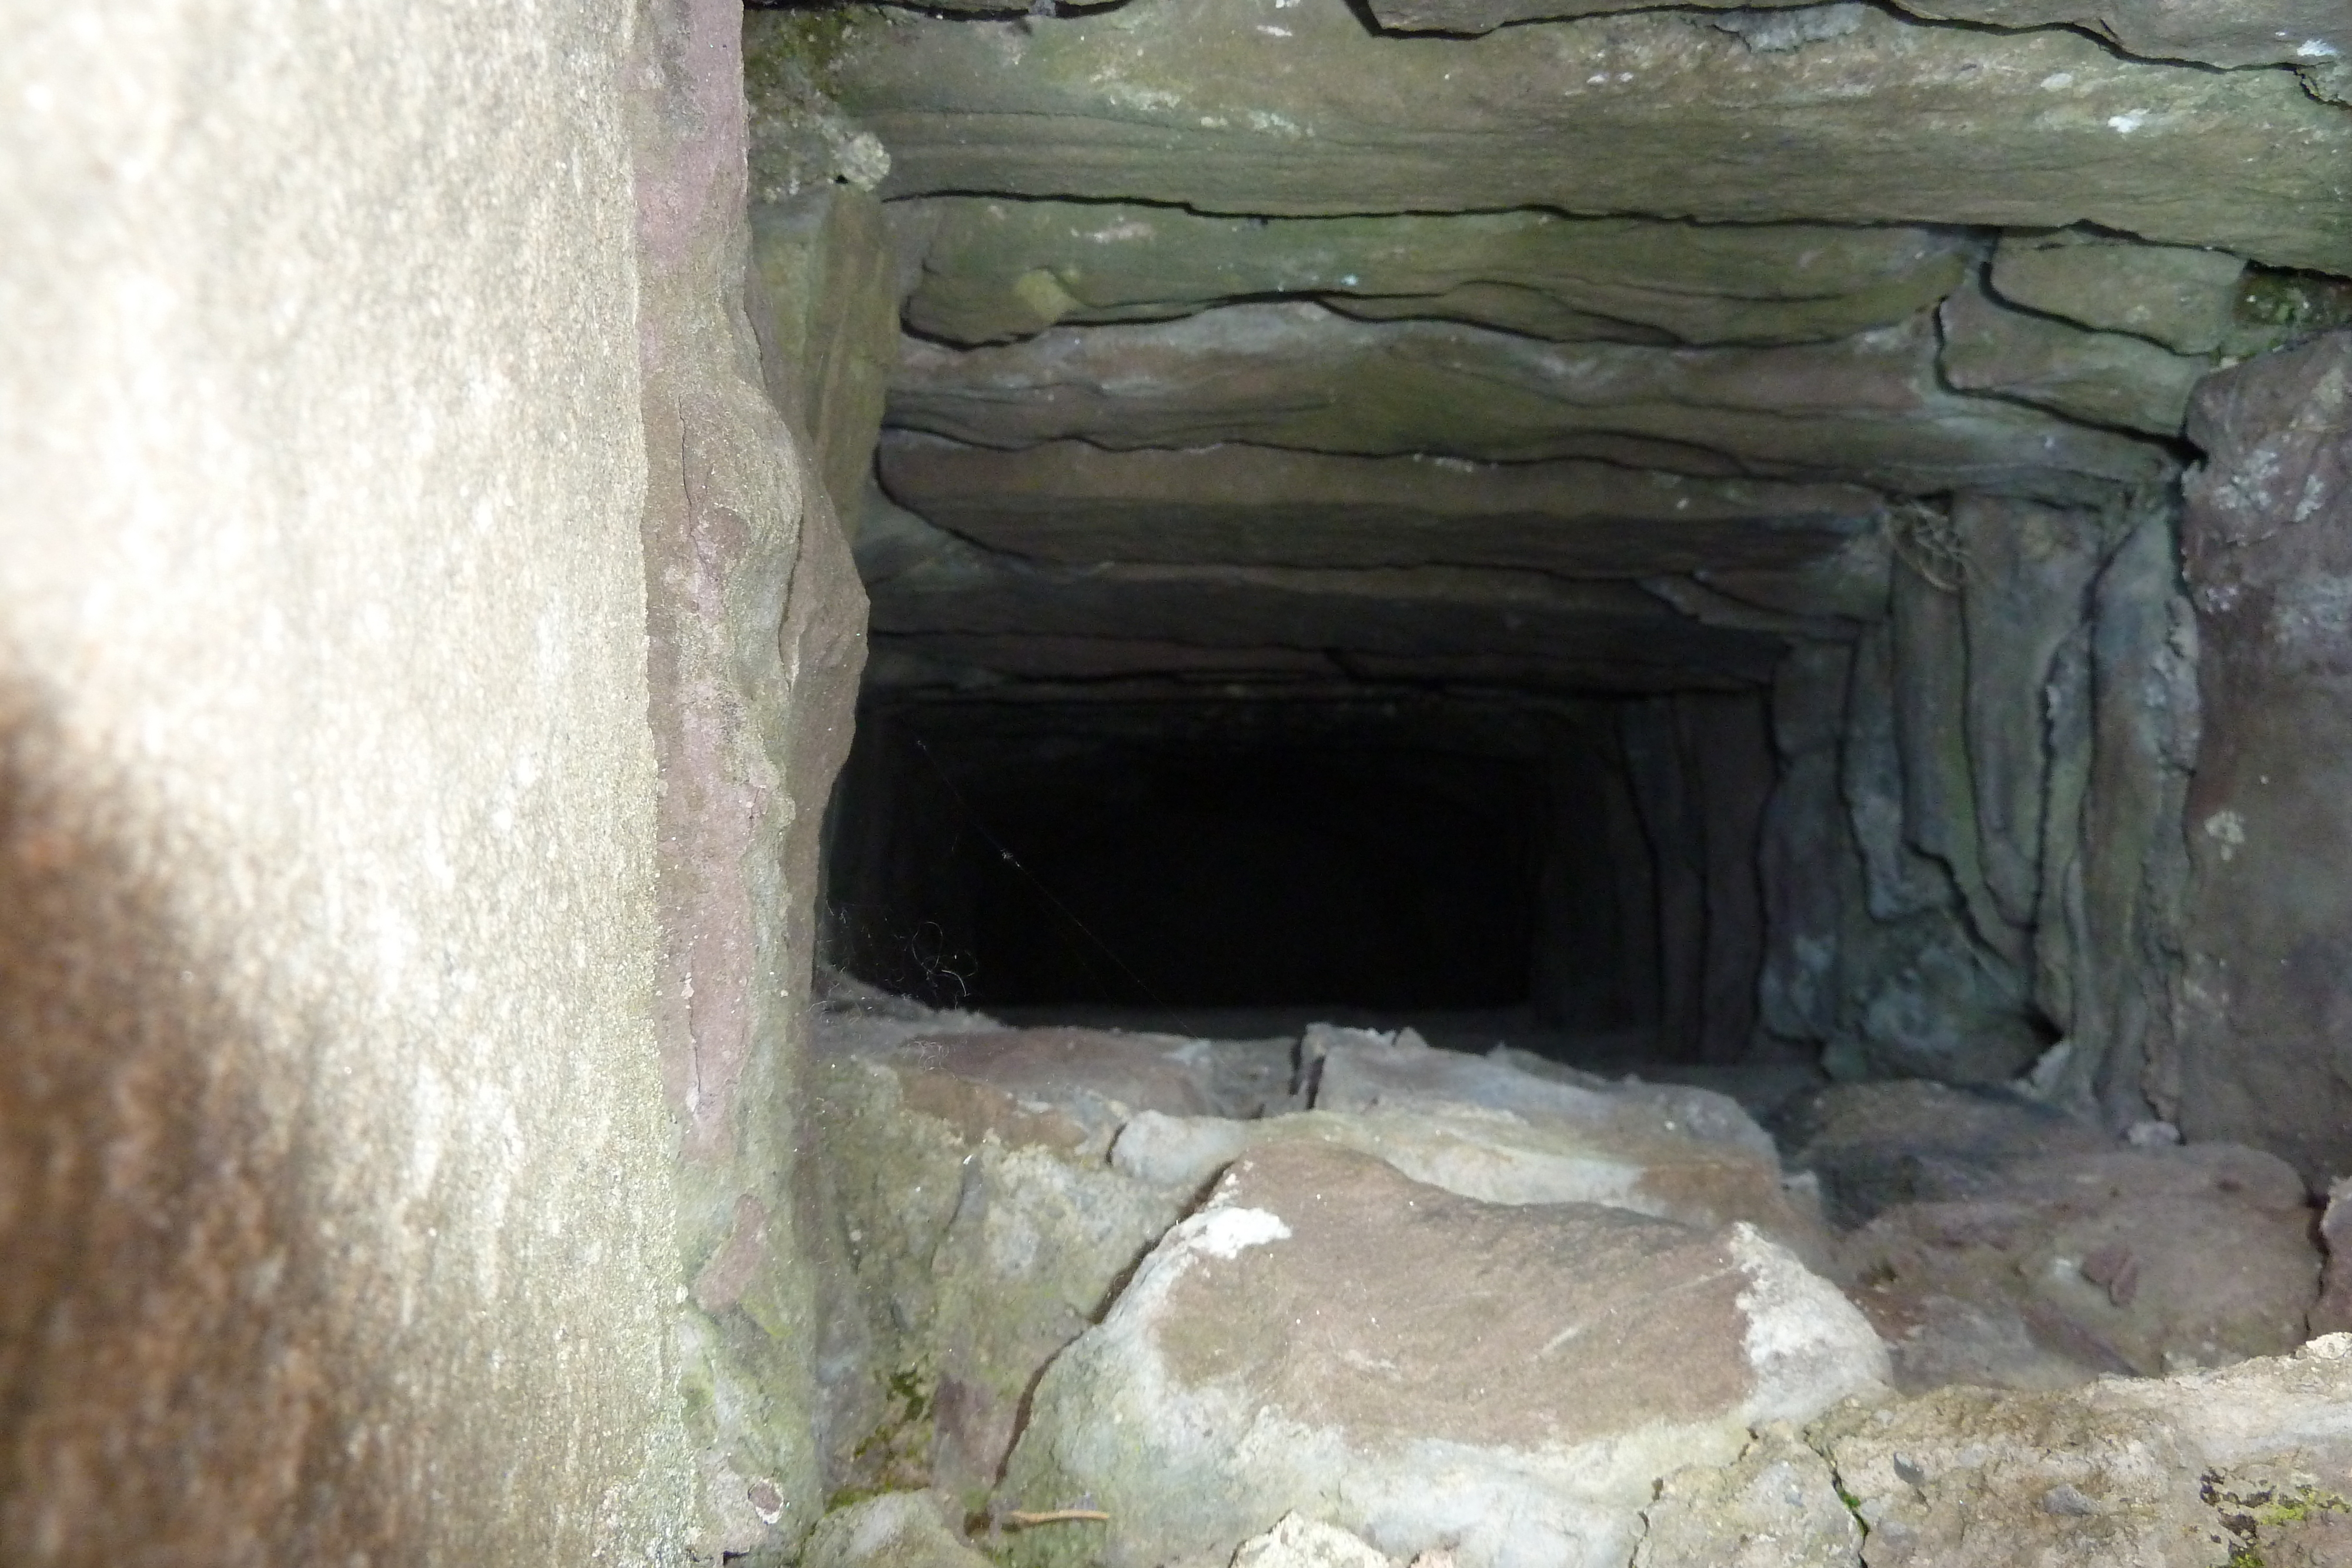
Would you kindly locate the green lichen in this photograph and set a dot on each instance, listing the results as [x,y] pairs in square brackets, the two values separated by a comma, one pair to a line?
[2251,1511]
[2301,1505]
[2277,309]
[806,41]
[698,1394]
[895,1455]
[1852,1503]
[792,62]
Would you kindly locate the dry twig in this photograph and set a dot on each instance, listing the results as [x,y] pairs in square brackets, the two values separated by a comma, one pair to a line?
[1926,537]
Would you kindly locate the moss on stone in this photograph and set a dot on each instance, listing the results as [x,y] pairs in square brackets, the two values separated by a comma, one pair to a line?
[2255,1507]
[813,40]
[975,1263]
[2277,309]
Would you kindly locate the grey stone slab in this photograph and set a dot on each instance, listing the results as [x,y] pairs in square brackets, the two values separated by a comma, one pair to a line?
[1863,410]
[1427,1371]
[1445,622]
[1074,502]
[1274,108]
[2307,33]
[2180,297]
[994,269]
[2101,378]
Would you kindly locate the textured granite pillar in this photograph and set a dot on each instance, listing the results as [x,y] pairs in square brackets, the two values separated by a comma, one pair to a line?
[421,669]
[337,1189]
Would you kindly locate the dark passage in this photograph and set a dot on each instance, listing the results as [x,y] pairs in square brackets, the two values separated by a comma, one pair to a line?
[1241,877]
[1582,861]
[1234,872]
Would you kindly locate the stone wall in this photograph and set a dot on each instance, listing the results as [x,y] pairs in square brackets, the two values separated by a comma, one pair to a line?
[1973,854]
[755,618]
[2266,1049]
[1276,349]
[373,375]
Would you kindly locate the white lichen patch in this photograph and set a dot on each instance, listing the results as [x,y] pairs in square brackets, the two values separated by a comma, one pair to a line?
[1226,1232]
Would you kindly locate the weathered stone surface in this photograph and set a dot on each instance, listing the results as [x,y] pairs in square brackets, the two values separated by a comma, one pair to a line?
[1809,868]
[1967,1477]
[1851,582]
[2144,1261]
[1938,980]
[1252,105]
[1776,1506]
[2180,297]
[1700,770]
[2118,897]
[798,140]
[1422,1370]
[1979,1340]
[753,651]
[2024,596]
[889,540]
[896,1530]
[982,1079]
[1776,25]
[1931,680]
[1501,1157]
[827,310]
[1760,1087]
[1710,607]
[2333,1312]
[1502,627]
[2263,33]
[345,1220]
[1865,408]
[1483,1128]
[1362,1070]
[1899,974]
[2239,1465]
[1874,1144]
[980,1220]
[1919,989]
[2101,378]
[1179,1151]
[2268,540]
[2281,1513]
[2287,1406]
[994,269]
[1469,17]
[1073,501]
[1299,1543]
[1931,1000]
[2278,309]
[1727,755]
[1898,880]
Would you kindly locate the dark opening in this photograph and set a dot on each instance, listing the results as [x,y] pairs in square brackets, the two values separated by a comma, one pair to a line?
[1588,865]
[1244,877]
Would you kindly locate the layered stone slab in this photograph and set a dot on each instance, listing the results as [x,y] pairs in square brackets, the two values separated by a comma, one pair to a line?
[994,269]
[2311,34]
[1865,408]
[1417,625]
[1074,502]
[2180,297]
[2101,378]
[1507,1382]
[1277,107]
